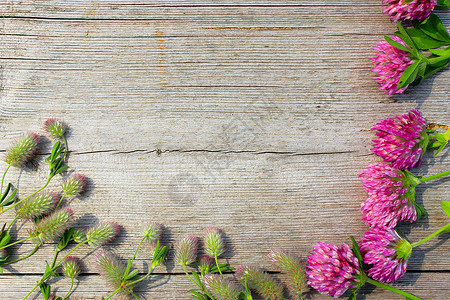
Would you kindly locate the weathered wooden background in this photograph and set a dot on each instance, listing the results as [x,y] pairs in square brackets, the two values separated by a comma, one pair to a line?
[251,116]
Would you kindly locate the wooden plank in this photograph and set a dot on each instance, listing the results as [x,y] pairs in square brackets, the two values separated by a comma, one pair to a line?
[247,115]
[156,288]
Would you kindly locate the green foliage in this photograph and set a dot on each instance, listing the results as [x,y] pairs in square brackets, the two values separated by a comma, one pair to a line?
[6,200]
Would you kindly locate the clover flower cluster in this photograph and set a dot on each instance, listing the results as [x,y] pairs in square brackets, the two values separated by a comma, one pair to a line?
[382,254]
[51,218]
[409,10]
[401,59]
[118,275]
[213,283]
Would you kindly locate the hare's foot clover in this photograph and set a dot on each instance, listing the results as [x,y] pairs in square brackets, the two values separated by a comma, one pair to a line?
[260,281]
[293,266]
[221,288]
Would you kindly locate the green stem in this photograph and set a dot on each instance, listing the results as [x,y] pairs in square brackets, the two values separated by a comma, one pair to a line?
[54,259]
[442,230]
[48,181]
[70,290]
[37,284]
[217,264]
[137,249]
[392,289]
[134,295]
[185,271]
[3,179]
[202,287]
[439,175]
[21,258]
[60,200]
[142,278]
[115,292]
[59,263]
[16,242]
[12,222]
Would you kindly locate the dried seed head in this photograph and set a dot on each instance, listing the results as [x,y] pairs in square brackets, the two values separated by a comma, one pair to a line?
[221,288]
[295,269]
[74,185]
[102,233]
[71,267]
[260,281]
[52,226]
[79,235]
[152,233]
[55,128]
[40,204]
[113,270]
[22,150]
[214,245]
[186,250]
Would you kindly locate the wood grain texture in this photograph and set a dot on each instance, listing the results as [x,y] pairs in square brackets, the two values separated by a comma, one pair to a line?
[251,116]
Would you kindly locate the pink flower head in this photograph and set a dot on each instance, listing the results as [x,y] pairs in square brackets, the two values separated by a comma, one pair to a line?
[22,150]
[409,10]
[332,270]
[390,63]
[402,139]
[387,252]
[391,196]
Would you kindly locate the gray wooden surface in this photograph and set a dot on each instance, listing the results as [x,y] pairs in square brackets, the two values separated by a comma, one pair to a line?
[251,116]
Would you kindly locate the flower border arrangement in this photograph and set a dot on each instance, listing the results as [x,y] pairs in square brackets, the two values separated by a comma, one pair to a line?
[380,257]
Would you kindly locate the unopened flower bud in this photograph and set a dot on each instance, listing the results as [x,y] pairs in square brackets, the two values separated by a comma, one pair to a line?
[3,254]
[22,150]
[102,233]
[205,263]
[74,185]
[79,235]
[214,245]
[71,267]
[40,204]
[186,250]
[55,128]
[152,233]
